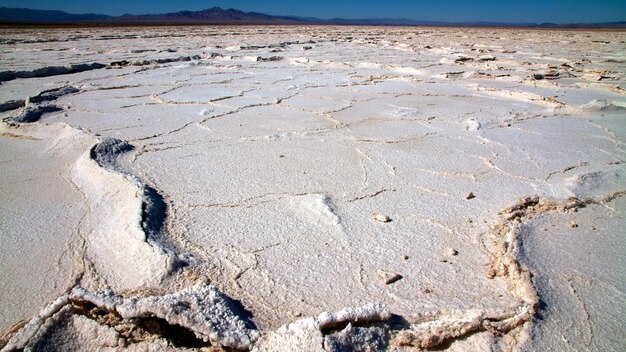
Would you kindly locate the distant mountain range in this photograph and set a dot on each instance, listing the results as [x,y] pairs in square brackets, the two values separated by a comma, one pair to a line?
[216,15]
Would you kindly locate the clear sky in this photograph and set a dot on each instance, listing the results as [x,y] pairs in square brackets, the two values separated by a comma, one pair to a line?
[512,11]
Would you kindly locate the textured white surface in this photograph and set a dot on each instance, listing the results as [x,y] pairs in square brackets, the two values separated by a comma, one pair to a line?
[40,215]
[271,171]
[584,298]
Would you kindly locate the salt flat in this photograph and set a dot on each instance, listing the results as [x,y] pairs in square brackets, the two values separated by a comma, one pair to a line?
[312,188]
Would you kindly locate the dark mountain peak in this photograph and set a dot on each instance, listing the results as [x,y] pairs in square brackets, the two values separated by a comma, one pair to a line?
[214,15]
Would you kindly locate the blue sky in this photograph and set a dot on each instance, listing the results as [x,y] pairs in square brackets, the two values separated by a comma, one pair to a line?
[513,11]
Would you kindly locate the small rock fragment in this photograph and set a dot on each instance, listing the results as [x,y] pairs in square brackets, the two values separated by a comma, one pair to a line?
[406,257]
[388,277]
[572,224]
[121,342]
[537,76]
[120,63]
[463,58]
[450,252]
[380,217]
[269,59]
[443,260]
[551,74]
[470,195]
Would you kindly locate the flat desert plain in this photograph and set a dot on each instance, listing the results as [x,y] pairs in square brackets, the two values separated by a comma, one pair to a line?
[285,188]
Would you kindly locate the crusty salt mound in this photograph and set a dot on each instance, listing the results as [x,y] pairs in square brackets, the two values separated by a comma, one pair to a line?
[174,320]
